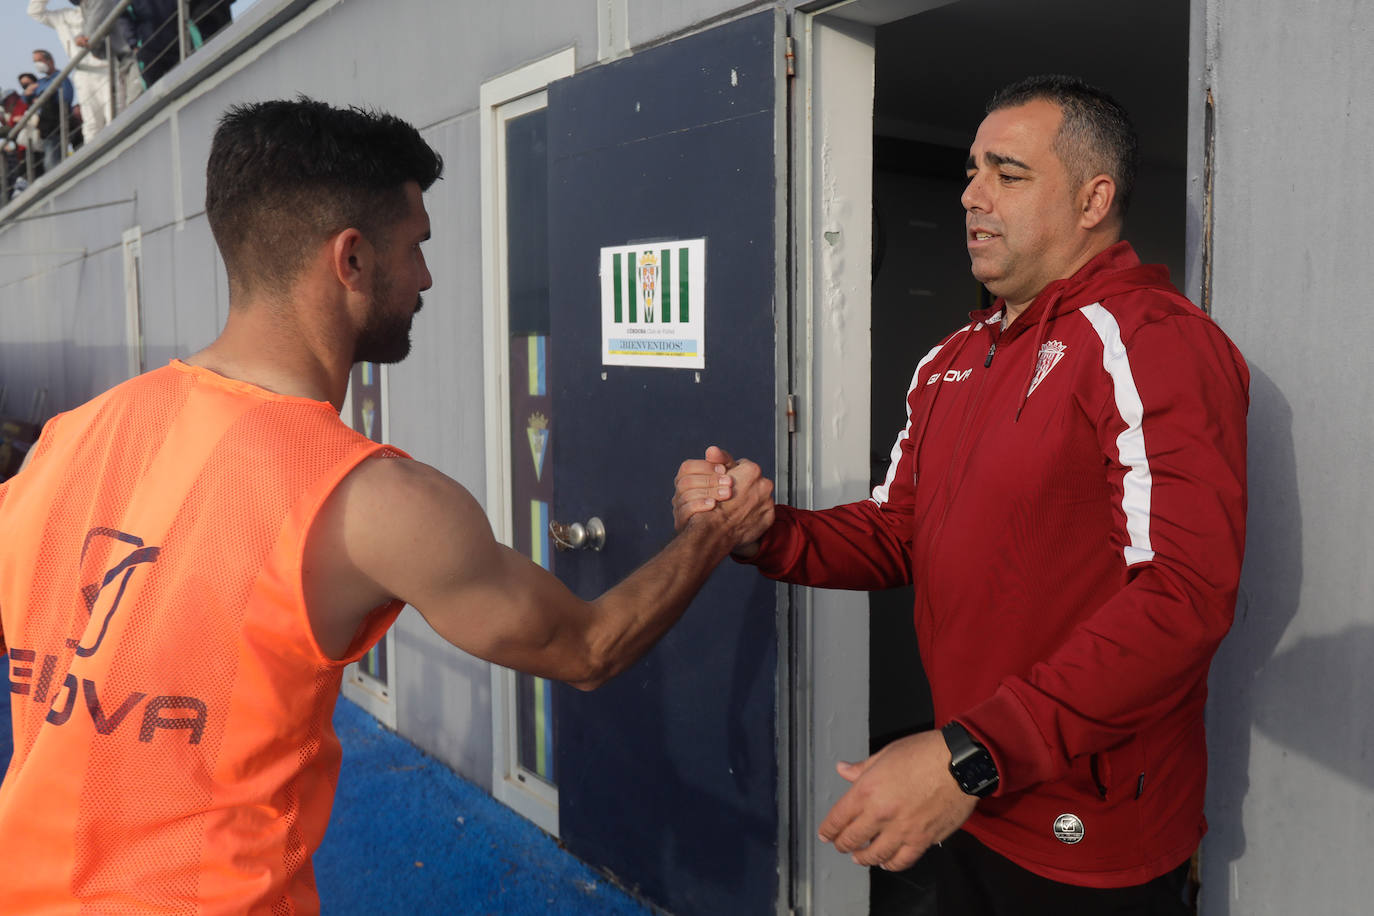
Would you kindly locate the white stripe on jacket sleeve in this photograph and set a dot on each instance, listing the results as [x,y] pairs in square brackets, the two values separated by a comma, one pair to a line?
[881,491]
[1130,444]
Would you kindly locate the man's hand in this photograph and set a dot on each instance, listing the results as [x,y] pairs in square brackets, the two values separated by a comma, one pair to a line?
[700,484]
[704,483]
[81,41]
[903,799]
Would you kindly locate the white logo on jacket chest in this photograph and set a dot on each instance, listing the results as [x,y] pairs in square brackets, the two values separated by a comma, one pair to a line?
[1050,355]
[952,375]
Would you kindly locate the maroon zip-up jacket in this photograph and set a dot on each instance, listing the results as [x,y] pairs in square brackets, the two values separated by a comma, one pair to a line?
[1068,498]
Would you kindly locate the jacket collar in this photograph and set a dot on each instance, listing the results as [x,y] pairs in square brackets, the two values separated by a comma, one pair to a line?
[1111,271]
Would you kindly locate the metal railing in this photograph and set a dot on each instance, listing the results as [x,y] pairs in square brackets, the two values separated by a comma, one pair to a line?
[181,19]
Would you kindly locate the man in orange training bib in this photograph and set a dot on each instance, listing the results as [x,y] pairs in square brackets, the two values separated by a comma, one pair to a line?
[191,558]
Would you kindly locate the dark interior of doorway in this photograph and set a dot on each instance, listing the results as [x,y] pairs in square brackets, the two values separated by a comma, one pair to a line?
[934,73]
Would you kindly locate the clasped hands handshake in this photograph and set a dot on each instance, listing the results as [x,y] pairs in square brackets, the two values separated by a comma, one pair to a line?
[902,800]
[714,483]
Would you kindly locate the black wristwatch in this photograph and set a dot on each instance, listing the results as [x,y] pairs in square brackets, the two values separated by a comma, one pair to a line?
[970,762]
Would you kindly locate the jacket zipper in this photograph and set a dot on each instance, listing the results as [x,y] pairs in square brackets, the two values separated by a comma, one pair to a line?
[946,484]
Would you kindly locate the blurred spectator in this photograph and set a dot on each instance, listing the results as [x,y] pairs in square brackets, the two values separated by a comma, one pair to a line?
[155,32]
[28,137]
[155,27]
[12,108]
[91,77]
[121,42]
[30,148]
[50,116]
[208,17]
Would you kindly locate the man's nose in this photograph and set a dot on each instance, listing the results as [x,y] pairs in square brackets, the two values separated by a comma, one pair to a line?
[973,197]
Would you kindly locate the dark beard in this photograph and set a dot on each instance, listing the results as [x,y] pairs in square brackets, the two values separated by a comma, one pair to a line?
[384,338]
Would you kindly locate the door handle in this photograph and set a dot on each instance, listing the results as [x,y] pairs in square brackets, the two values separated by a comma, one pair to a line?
[577,536]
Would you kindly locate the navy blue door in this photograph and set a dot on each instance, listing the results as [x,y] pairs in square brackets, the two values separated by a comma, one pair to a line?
[667,776]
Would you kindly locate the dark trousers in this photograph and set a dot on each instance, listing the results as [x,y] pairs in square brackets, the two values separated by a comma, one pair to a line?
[972,880]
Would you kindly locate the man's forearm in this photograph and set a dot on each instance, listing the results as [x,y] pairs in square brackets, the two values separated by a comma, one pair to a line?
[853,546]
[634,615]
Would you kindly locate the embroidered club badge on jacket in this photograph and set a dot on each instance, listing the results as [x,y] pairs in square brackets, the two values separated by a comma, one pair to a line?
[1050,355]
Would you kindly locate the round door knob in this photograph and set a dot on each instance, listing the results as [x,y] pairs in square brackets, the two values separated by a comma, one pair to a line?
[577,536]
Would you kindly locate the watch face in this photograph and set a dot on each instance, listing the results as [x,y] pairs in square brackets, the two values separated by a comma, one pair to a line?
[978,773]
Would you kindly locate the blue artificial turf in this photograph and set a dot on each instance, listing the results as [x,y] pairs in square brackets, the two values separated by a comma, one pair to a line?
[408,836]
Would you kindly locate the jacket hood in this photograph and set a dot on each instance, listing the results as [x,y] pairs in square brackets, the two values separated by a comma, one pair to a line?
[1112,271]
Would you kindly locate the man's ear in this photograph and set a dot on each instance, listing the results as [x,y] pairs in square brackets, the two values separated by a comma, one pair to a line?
[351,259]
[1096,198]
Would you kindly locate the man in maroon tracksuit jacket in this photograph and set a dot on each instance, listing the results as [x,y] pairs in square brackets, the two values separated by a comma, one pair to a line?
[1068,499]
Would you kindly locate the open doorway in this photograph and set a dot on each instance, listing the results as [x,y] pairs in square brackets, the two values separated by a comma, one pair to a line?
[933,72]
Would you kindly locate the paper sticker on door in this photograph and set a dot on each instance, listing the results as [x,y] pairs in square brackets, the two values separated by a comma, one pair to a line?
[653,305]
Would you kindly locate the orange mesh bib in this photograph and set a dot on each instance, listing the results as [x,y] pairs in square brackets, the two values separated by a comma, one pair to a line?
[173,745]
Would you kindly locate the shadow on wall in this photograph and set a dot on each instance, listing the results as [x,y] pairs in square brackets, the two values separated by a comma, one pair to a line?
[1247,675]
[1329,673]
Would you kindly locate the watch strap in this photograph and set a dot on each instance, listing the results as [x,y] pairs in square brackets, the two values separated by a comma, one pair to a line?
[970,763]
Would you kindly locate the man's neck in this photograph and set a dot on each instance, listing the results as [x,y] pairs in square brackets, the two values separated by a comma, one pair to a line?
[264,346]
[1099,243]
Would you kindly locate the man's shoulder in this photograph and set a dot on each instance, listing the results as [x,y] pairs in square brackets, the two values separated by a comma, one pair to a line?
[1163,332]
[386,515]
[134,390]
[1134,309]
[389,482]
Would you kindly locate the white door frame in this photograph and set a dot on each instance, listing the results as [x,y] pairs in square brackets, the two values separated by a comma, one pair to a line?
[375,695]
[832,193]
[502,98]
[832,189]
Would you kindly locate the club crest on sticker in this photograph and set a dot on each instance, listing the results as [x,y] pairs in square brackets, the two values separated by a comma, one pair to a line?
[1068,829]
[648,283]
[1050,355]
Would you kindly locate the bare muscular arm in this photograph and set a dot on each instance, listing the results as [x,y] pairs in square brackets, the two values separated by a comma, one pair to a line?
[397,528]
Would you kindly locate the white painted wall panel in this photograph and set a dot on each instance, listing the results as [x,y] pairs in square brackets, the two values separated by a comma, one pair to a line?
[1291,798]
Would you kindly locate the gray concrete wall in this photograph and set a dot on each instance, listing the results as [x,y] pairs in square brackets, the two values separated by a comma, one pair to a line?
[62,277]
[1291,794]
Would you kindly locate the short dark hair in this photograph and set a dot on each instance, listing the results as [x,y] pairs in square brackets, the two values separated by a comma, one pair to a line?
[285,175]
[31,76]
[1096,135]
[47,54]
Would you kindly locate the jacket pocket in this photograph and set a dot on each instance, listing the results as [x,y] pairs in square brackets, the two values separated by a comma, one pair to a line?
[1101,769]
